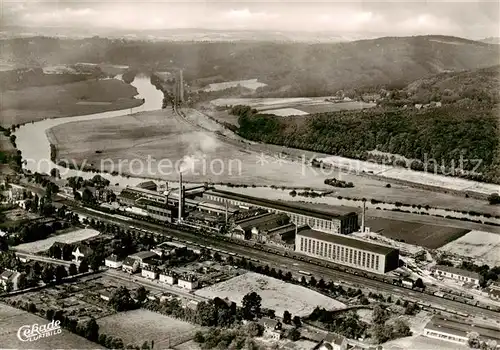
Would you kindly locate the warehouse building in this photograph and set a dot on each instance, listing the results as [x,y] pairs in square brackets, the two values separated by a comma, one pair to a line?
[457,274]
[347,251]
[318,220]
[457,332]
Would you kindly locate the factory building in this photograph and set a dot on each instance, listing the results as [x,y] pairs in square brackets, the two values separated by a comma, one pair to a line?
[347,251]
[318,220]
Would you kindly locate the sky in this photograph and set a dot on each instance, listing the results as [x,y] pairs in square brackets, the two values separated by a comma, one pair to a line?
[469,19]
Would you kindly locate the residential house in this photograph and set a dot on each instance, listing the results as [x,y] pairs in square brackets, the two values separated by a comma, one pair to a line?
[67,191]
[272,328]
[105,295]
[168,277]
[457,274]
[113,262]
[333,341]
[130,265]
[5,277]
[80,252]
[145,258]
[406,282]
[494,291]
[188,282]
[150,273]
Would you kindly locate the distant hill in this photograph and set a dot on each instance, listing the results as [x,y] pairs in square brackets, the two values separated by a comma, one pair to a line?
[289,69]
[480,84]
[491,40]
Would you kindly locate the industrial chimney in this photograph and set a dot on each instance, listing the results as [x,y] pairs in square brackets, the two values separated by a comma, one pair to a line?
[363,217]
[181,199]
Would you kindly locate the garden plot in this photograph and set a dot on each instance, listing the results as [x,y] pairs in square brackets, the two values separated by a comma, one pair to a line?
[138,326]
[12,319]
[276,295]
[70,237]
[480,245]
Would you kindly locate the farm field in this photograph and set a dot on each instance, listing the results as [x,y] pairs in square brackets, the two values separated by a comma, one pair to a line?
[10,321]
[429,236]
[251,84]
[484,246]
[307,105]
[26,105]
[5,144]
[70,237]
[284,112]
[276,295]
[138,326]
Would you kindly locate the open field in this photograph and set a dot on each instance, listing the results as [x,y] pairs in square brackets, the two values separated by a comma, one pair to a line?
[161,136]
[10,321]
[307,105]
[70,237]
[251,84]
[5,144]
[429,236]
[484,246]
[26,105]
[419,342]
[138,326]
[284,112]
[276,295]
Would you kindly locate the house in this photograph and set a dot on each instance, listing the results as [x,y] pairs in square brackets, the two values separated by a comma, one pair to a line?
[457,274]
[105,295]
[130,265]
[16,192]
[192,304]
[67,191]
[145,258]
[113,262]
[168,277]
[188,282]
[333,341]
[272,328]
[80,252]
[5,277]
[494,291]
[406,282]
[152,274]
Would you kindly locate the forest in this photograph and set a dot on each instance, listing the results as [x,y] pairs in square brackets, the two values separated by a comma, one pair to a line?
[465,130]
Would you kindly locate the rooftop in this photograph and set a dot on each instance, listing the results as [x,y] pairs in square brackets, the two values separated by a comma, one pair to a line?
[143,255]
[264,222]
[148,185]
[6,274]
[277,205]
[346,241]
[458,328]
[128,261]
[334,338]
[457,271]
[113,257]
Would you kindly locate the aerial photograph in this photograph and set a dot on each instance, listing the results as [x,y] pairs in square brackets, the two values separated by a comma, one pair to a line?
[248,174]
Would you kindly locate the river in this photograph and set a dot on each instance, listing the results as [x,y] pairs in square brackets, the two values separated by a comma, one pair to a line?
[32,141]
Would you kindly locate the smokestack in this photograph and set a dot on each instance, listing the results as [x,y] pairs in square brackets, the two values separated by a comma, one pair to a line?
[363,217]
[181,199]
[181,87]
[226,212]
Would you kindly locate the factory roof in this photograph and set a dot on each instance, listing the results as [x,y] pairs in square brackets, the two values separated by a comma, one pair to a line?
[457,271]
[458,328]
[148,185]
[346,241]
[145,201]
[276,205]
[266,221]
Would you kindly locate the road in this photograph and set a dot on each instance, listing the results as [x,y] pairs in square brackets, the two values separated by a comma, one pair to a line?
[294,265]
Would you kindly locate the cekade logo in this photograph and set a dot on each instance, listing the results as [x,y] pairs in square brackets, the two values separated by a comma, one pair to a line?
[36,331]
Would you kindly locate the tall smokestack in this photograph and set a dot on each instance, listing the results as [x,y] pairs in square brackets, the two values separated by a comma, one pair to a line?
[363,217]
[181,199]
[181,87]
[226,212]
